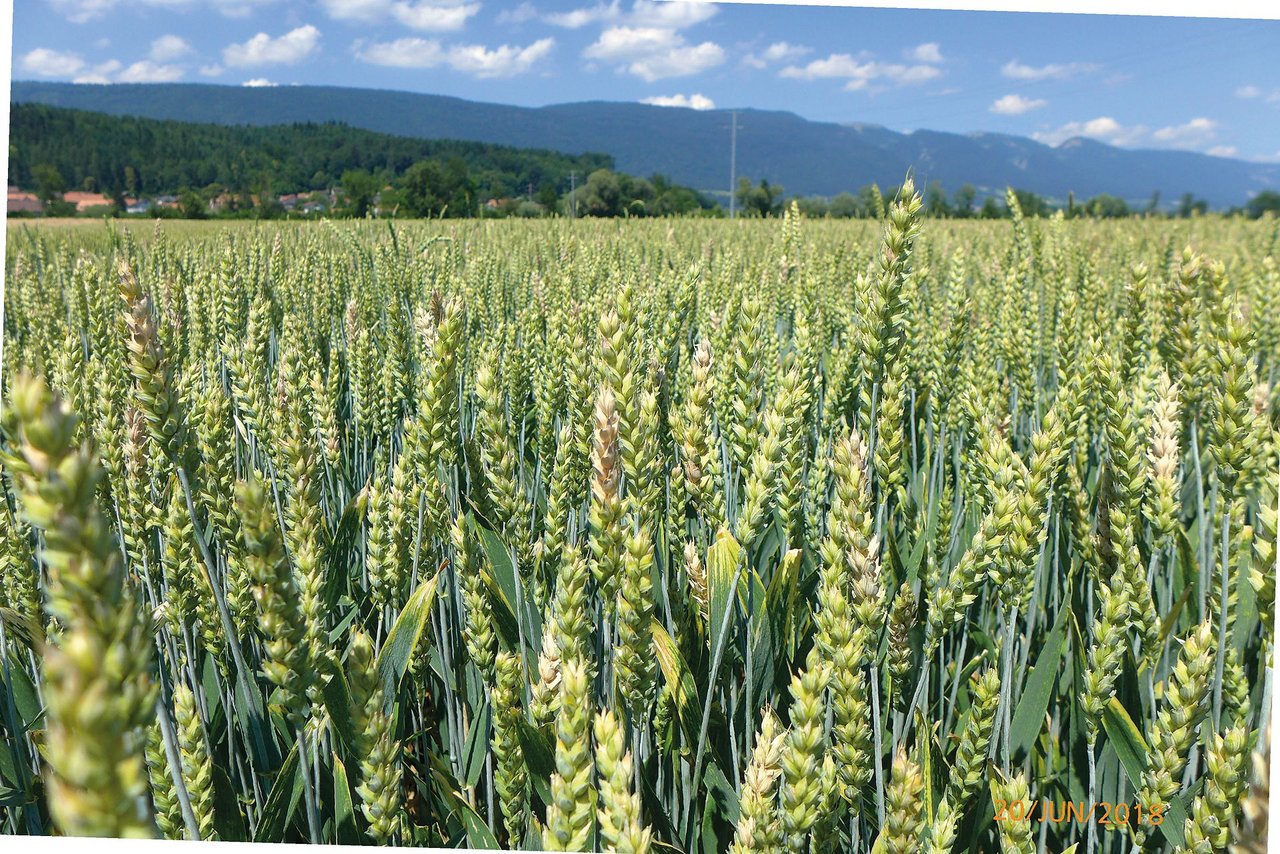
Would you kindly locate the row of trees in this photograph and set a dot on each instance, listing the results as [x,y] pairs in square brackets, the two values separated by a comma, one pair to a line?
[245,168]
[765,199]
[136,157]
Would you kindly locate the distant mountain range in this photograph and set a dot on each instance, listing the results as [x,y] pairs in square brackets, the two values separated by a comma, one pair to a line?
[692,147]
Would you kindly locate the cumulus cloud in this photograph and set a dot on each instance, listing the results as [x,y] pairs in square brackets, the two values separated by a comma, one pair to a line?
[860,72]
[1196,132]
[146,71]
[668,14]
[776,52]
[288,49]
[1251,92]
[503,61]
[1016,105]
[928,52]
[476,60]
[654,53]
[1103,128]
[259,83]
[1016,70]
[45,62]
[83,11]
[576,19]
[425,15]
[1224,151]
[168,48]
[100,73]
[211,70]
[692,102]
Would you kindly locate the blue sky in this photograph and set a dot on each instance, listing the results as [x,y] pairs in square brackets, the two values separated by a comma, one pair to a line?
[1200,84]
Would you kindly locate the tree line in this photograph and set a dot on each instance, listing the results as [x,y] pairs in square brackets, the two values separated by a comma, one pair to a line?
[766,199]
[240,171]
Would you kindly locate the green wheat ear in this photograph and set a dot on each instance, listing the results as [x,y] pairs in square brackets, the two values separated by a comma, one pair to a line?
[97,683]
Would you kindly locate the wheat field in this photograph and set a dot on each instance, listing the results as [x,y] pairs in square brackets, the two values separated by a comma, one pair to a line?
[756,536]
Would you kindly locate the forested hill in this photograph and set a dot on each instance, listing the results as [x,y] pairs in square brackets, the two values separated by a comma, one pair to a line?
[149,157]
[691,147]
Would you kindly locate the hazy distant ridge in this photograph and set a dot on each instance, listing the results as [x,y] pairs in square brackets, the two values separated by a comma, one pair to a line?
[692,147]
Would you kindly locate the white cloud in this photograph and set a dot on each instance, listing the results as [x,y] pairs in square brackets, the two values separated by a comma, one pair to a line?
[680,61]
[927,52]
[654,53]
[476,60]
[504,61]
[776,52]
[100,73]
[627,42]
[1223,151]
[670,13]
[578,18]
[292,47]
[168,48]
[79,11]
[1016,70]
[1194,133]
[259,83]
[211,70]
[860,72]
[51,63]
[146,71]
[1016,105]
[83,11]
[1103,128]
[1251,92]
[426,15]
[521,14]
[692,102]
[402,53]
[666,14]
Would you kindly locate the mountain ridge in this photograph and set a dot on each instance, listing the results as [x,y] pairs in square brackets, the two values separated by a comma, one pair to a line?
[692,146]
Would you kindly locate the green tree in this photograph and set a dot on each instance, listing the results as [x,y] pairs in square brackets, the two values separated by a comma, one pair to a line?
[1268,201]
[935,201]
[1189,205]
[672,199]
[192,205]
[424,189]
[359,189]
[962,202]
[846,206]
[602,195]
[546,197]
[815,207]
[1032,204]
[50,184]
[762,200]
[992,209]
[1106,206]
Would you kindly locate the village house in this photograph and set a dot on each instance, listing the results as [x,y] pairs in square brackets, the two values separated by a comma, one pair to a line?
[83,201]
[23,202]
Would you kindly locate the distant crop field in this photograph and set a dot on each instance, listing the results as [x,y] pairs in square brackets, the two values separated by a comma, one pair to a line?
[790,535]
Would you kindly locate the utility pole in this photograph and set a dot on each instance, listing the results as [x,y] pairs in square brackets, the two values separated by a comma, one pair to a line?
[733,164]
[573,202]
